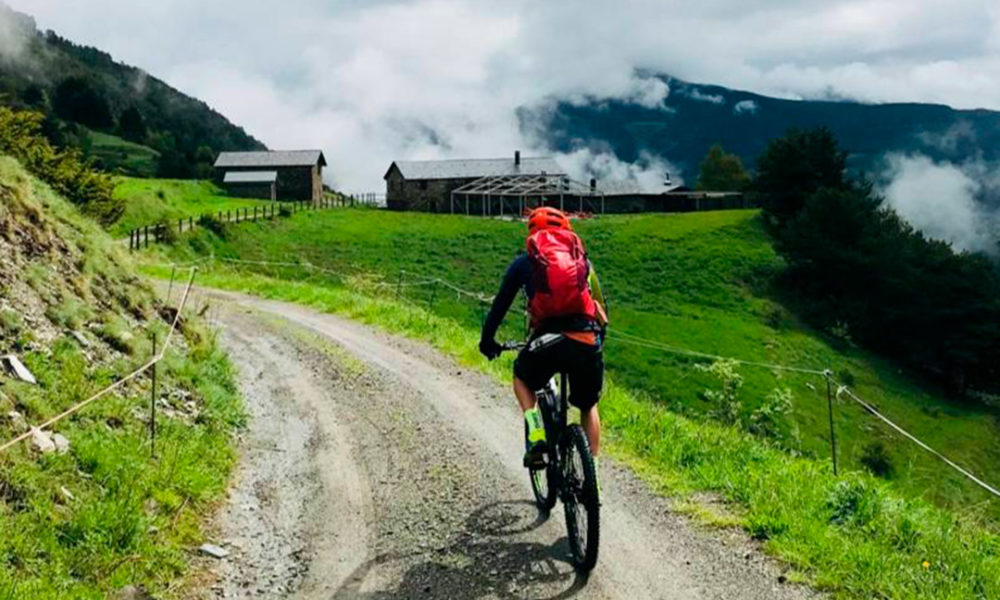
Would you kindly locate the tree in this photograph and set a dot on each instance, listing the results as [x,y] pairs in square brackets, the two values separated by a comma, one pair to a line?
[792,168]
[132,125]
[76,100]
[722,172]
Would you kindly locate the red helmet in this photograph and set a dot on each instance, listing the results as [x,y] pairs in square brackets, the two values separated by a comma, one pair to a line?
[546,217]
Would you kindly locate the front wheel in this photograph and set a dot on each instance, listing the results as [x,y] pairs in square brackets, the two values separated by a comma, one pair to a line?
[580,499]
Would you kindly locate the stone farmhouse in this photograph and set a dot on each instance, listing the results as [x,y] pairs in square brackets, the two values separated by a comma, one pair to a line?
[427,185]
[286,175]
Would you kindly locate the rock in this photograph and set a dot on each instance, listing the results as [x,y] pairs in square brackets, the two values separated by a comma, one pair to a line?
[41,441]
[213,551]
[17,421]
[62,444]
[84,342]
[17,368]
[132,592]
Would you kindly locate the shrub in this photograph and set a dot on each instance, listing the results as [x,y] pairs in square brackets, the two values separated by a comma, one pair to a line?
[771,417]
[728,406]
[854,501]
[875,457]
[213,224]
[166,232]
[65,170]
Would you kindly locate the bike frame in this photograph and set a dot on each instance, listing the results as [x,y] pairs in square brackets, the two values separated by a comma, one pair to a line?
[555,409]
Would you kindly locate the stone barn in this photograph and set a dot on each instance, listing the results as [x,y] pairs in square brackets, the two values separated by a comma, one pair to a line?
[427,185]
[285,175]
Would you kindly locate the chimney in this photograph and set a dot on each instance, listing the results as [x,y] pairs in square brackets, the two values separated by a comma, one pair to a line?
[517,158]
[667,182]
[593,184]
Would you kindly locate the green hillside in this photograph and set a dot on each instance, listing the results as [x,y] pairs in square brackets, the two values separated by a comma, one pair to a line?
[103,514]
[116,155]
[698,282]
[149,201]
[80,89]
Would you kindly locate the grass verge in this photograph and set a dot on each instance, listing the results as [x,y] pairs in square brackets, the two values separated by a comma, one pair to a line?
[854,536]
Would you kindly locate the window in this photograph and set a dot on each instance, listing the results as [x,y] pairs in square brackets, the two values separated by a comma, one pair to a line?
[423,184]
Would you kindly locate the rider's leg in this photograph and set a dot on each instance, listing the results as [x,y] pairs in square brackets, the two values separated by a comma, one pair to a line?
[590,420]
[525,397]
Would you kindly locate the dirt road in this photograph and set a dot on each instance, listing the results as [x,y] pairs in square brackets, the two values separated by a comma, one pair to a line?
[376,468]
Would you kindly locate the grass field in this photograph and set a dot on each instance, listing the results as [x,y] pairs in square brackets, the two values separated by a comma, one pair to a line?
[152,200]
[855,536]
[698,282]
[122,156]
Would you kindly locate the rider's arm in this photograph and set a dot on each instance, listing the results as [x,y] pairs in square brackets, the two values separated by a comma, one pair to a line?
[513,281]
[597,293]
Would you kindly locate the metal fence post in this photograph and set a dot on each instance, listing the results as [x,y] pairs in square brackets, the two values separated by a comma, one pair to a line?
[152,405]
[146,230]
[828,374]
[399,284]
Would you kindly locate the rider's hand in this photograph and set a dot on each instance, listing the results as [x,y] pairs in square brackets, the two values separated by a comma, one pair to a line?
[490,348]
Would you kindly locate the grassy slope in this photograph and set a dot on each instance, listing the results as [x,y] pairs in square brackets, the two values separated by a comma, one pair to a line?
[853,535]
[118,155]
[127,520]
[695,281]
[150,200]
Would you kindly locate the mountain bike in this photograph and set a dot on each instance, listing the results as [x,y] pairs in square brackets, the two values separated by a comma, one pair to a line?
[570,474]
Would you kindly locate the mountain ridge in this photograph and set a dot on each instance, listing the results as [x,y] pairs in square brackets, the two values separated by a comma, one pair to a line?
[81,88]
[692,117]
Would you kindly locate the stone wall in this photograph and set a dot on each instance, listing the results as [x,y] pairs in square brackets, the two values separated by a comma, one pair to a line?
[425,195]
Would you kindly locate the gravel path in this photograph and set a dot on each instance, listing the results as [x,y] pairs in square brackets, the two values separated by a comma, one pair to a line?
[375,468]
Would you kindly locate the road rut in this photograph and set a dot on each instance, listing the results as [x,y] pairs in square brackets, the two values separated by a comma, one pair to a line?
[374,467]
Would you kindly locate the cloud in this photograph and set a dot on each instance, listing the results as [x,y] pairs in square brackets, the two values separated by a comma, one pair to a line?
[14,34]
[650,172]
[374,80]
[945,201]
[745,107]
[649,92]
[696,94]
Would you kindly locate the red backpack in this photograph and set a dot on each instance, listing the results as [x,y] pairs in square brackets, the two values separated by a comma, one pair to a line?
[560,273]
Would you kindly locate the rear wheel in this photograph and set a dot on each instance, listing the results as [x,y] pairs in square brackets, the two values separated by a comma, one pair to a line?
[545,495]
[580,499]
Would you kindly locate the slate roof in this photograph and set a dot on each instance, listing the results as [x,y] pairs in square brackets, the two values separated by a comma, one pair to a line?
[251,177]
[289,158]
[631,187]
[473,168]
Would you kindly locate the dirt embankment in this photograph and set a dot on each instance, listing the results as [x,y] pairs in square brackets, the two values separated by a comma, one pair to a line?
[376,468]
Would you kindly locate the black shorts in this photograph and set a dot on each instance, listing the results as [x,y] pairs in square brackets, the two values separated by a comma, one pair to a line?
[582,363]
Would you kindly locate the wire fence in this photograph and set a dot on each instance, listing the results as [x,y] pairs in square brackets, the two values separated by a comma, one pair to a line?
[147,366]
[834,390]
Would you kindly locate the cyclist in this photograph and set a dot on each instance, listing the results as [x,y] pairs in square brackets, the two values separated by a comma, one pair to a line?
[568,320]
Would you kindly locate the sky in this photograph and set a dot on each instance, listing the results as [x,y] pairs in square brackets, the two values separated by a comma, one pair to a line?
[375,80]
[372,81]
